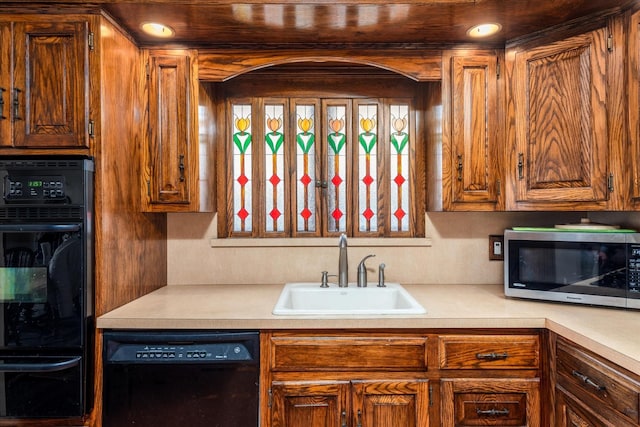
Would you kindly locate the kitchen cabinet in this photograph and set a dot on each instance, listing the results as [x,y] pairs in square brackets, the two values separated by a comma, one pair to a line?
[493,395]
[367,380]
[374,403]
[591,391]
[175,161]
[558,94]
[472,131]
[45,90]
[633,55]
[418,378]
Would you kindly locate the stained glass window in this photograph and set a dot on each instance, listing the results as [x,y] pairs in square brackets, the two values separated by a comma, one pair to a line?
[274,167]
[336,167]
[399,167]
[321,167]
[367,167]
[242,170]
[305,161]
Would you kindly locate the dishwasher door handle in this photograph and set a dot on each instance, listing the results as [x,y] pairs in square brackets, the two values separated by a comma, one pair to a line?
[39,366]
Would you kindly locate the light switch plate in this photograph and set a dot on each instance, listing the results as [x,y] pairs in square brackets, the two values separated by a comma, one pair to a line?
[496,248]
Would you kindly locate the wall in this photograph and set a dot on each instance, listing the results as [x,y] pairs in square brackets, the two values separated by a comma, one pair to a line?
[458,251]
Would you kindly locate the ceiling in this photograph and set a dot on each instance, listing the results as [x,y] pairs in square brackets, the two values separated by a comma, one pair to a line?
[224,23]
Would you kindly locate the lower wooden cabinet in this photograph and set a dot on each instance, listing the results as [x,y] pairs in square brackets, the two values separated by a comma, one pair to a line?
[362,403]
[591,391]
[490,402]
[404,379]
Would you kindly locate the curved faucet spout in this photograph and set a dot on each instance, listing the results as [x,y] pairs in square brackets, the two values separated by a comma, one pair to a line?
[343,264]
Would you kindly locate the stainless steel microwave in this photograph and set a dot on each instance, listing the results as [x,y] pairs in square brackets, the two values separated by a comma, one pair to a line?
[581,267]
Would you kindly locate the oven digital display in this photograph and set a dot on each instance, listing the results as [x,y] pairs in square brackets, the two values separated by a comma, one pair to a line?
[34,184]
[23,284]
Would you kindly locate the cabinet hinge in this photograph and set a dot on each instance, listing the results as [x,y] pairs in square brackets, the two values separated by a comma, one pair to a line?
[430,395]
[610,183]
[148,188]
[270,402]
[499,187]
[91,41]
[146,70]
[91,129]
[610,43]
[497,68]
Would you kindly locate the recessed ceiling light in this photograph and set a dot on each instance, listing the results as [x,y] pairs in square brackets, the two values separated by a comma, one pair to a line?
[157,30]
[484,30]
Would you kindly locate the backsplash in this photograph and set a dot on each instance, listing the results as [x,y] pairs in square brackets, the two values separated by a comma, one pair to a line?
[458,253]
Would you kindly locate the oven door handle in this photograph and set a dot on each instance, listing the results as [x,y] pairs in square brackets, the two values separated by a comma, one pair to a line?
[41,367]
[54,228]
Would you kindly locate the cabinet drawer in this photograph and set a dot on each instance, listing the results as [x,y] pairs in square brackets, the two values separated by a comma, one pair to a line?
[489,351]
[490,402]
[595,381]
[348,353]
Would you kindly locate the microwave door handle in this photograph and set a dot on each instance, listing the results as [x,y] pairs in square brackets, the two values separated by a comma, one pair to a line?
[40,367]
[54,228]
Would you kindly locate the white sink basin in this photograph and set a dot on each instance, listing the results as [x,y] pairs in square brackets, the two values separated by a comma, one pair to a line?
[311,299]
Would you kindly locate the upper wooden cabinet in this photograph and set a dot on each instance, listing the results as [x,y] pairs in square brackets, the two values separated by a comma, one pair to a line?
[472,132]
[45,95]
[633,55]
[559,134]
[171,157]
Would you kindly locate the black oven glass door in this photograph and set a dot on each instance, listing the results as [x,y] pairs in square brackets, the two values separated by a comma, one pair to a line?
[41,286]
[41,387]
[588,268]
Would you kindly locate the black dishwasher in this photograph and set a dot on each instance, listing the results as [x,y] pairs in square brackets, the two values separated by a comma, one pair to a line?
[181,378]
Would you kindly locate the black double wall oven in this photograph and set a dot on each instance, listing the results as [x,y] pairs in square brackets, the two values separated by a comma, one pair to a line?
[46,286]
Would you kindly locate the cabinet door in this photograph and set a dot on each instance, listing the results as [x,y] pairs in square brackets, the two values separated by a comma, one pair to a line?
[390,403]
[634,101]
[5,83]
[171,126]
[490,402]
[472,132]
[309,404]
[50,89]
[570,412]
[560,112]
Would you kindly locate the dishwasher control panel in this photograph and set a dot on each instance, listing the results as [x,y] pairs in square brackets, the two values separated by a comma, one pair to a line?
[182,353]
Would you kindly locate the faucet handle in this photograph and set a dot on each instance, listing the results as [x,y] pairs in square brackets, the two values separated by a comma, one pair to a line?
[362,272]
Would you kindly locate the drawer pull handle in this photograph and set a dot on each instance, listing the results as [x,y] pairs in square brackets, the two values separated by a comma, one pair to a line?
[588,381]
[493,413]
[492,356]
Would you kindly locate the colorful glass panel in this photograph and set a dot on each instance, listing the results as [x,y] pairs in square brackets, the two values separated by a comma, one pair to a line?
[306,172]
[274,167]
[336,167]
[242,172]
[367,168]
[399,167]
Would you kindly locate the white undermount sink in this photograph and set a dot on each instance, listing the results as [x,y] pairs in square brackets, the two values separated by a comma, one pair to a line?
[311,299]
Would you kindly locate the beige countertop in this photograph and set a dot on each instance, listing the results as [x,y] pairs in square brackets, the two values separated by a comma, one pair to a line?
[607,331]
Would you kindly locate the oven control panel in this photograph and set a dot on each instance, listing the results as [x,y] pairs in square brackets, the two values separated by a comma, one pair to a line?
[183,353]
[633,268]
[34,188]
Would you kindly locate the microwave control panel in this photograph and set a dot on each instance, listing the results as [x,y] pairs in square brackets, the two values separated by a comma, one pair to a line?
[34,188]
[633,268]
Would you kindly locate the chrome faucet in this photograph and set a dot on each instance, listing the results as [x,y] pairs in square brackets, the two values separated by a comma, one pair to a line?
[362,272]
[343,264]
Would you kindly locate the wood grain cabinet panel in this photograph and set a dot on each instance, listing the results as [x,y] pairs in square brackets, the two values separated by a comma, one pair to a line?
[309,404]
[558,96]
[489,351]
[570,412]
[633,56]
[472,131]
[45,95]
[348,353]
[490,402]
[597,382]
